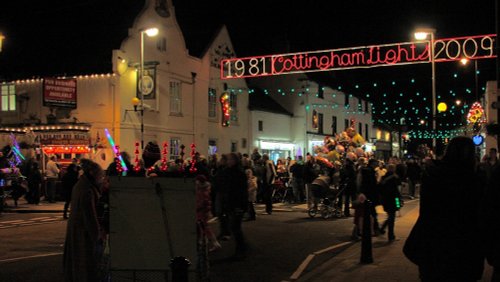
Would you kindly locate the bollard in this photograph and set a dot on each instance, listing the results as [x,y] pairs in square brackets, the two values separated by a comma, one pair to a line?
[366,234]
[179,266]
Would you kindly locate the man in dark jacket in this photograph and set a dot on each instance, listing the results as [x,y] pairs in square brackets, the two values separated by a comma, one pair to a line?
[348,181]
[490,220]
[391,198]
[413,173]
[68,181]
[369,188]
[297,170]
[235,187]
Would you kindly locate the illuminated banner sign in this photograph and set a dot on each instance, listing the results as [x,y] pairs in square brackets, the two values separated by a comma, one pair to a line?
[59,92]
[449,49]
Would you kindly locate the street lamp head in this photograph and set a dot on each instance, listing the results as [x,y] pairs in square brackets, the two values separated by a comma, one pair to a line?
[464,61]
[135,102]
[151,32]
[458,102]
[423,33]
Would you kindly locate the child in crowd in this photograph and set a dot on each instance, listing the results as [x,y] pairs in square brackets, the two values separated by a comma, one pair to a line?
[203,210]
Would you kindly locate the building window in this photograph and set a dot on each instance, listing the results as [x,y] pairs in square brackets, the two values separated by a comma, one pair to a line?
[175,148]
[212,103]
[346,124]
[175,97]
[321,92]
[161,44]
[360,105]
[367,136]
[8,93]
[212,147]
[233,103]
[360,128]
[243,143]
[334,125]
[346,100]
[261,125]
[234,146]
[320,123]
[367,108]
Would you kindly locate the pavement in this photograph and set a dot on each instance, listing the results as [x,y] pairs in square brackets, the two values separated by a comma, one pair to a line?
[389,264]
[24,207]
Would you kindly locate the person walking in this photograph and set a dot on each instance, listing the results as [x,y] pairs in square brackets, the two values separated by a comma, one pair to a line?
[413,176]
[391,199]
[252,193]
[270,177]
[69,180]
[348,181]
[237,202]
[81,256]
[203,210]
[369,187]
[34,183]
[490,218]
[297,174]
[52,174]
[446,240]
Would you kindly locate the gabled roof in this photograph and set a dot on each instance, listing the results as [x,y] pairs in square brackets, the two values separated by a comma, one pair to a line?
[259,101]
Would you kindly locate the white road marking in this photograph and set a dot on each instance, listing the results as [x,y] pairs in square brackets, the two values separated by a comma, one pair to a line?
[301,268]
[37,218]
[12,221]
[30,257]
[331,248]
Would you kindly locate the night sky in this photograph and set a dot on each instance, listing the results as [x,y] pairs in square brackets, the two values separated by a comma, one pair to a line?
[76,37]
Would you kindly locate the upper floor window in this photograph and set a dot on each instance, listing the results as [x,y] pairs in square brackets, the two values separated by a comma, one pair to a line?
[212,103]
[8,94]
[233,103]
[175,97]
[161,44]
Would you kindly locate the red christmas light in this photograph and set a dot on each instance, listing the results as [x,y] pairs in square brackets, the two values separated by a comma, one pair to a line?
[193,160]
[137,166]
[164,157]
[226,109]
[119,167]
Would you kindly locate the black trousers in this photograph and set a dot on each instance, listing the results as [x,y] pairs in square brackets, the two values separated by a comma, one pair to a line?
[251,210]
[268,197]
[389,223]
[346,198]
[235,218]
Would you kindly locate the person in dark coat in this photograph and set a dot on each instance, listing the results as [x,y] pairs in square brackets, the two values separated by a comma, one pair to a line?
[369,188]
[446,240]
[490,220]
[81,255]
[235,183]
[391,199]
[34,183]
[68,181]
[348,180]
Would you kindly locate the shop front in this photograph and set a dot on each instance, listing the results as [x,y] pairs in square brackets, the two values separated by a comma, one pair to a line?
[277,149]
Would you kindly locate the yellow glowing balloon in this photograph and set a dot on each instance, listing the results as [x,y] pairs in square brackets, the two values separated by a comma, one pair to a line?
[442,107]
[135,101]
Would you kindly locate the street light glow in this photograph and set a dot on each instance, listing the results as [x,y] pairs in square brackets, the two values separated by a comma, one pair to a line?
[464,61]
[458,102]
[151,32]
[421,35]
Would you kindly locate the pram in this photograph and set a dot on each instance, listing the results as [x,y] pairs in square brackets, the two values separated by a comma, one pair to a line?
[281,190]
[326,201]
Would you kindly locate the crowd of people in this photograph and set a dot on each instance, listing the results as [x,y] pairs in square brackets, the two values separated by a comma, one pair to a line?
[456,230]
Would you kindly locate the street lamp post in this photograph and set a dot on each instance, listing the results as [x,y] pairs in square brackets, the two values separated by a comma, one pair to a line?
[422,34]
[464,62]
[150,32]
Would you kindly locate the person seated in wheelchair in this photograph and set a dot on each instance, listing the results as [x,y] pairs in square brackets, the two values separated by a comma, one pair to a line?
[321,186]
